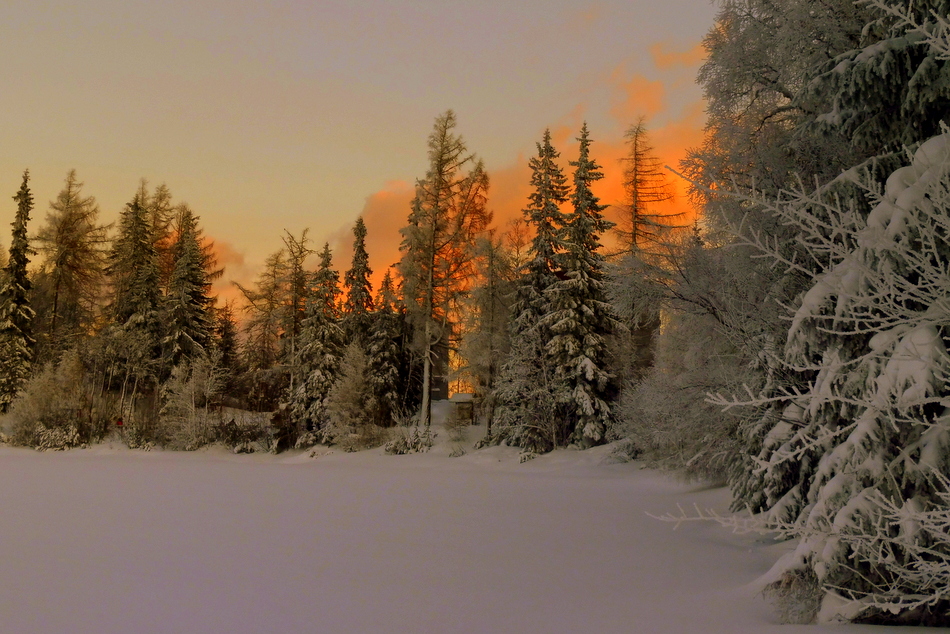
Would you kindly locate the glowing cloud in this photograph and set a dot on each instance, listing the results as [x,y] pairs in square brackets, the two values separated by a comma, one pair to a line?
[665,59]
[631,95]
[384,213]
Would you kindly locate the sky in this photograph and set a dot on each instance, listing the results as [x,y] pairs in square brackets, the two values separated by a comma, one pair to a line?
[286,115]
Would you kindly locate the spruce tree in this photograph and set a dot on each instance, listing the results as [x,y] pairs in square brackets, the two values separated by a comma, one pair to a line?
[581,318]
[133,271]
[359,295]
[525,415]
[384,358]
[225,342]
[188,317]
[16,315]
[321,348]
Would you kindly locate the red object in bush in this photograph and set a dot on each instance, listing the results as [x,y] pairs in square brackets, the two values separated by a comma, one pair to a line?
[118,423]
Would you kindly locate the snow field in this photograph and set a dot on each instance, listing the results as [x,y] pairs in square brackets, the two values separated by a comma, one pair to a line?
[108,540]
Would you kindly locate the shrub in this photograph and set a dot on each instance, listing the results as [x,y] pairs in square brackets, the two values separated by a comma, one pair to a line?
[796,597]
[413,440]
[54,408]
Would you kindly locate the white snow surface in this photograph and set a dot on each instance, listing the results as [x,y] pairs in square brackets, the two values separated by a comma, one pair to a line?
[107,540]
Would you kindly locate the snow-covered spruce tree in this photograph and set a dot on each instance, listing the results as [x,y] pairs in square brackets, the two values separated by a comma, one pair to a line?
[135,327]
[580,317]
[525,416]
[448,212]
[321,349]
[385,361]
[890,90]
[359,290]
[133,271]
[188,315]
[224,342]
[349,402]
[67,288]
[16,315]
[869,436]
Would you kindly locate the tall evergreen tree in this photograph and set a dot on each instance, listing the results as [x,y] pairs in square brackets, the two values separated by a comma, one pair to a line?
[645,185]
[16,315]
[580,317]
[359,294]
[189,319]
[447,213]
[133,271]
[225,342]
[264,378]
[321,348]
[297,289]
[73,246]
[525,414]
[385,362]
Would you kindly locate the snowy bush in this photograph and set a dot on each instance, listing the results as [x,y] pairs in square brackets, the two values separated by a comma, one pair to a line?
[412,440]
[666,417]
[348,409]
[186,418]
[796,596]
[454,425]
[54,407]
[238,437]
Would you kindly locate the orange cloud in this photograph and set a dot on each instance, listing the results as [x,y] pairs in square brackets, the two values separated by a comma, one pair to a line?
[671,141]
[631,96]
[586,16]
[665,59]
[384,213]
[235,270]
[635,97]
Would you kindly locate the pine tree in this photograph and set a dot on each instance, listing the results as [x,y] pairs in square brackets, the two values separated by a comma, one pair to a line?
[68,286]
[188,317]
[385,361]
[16,315]
[645,185]
[265,378]
[580,317]
[133,271]
[890,90]
[447,213]
[225,342]
[321,348]
[297,289]
[525,414]
[647,247]
[359,296]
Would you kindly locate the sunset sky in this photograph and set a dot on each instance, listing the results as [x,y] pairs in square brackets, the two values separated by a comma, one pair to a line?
[286,115]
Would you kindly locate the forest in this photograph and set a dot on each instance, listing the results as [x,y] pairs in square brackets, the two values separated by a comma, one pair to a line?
[790,343]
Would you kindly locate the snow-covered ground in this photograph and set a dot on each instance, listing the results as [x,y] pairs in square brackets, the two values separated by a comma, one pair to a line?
[107,540]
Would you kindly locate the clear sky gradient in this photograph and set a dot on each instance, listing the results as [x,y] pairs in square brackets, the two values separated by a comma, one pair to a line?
[266,116]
